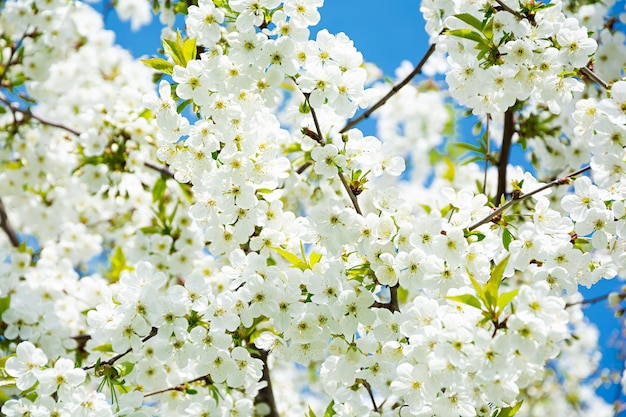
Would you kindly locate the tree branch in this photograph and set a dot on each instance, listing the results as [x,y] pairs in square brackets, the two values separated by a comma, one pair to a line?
[29,115]
[508,9]
[559,181]
[153,332]
[417,70]
[353,198]
[589,301]
[505,152]
[594,77]
[6,226]
[159,168]
[179,387]
[266,394]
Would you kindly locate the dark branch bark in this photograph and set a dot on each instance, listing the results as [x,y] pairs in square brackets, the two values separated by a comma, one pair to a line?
[6,226]
[159,168]
[266,394]
[115,358]
[559,181]
[417,70]
[505,153]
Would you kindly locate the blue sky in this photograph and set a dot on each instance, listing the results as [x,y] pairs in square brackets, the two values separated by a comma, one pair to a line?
[386,36]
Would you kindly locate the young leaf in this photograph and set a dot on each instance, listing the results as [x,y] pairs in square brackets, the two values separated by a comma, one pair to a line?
[175,50]
[189,49]
[468,299]
[314,259]
[107,347]
[510,411]
[124,368]
[467,34]
[506,238]
[160,65]
[158,191]
[292,259]
[505,298]
[479,291]
[330,411]
[470,20]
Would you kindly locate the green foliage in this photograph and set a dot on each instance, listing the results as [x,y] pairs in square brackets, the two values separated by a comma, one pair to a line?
[302,263]
[488,297]
[509,411]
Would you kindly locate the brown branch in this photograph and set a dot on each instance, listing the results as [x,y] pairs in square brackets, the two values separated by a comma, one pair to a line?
[153,332]
[14,48]
[368,387]
[353,198]
[589,301]
[159,168]
[180,387]
[417,70]
[266,394]
[559,181]
[392,305]
[508,9]
[29,115]
[505,152]
[487,152]
[594,77]
[6,226]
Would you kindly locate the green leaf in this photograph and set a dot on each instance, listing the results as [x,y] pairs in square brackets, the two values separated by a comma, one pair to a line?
[505,298]
[311,413]
[189,49]
[124,368]
[9,383]
[160,65]
[107,347]
[330,411]
[506,238]
[467,34]
[479,291]
[176,50]
[468,146]
[314,259]
[510,411]
[488,29]
[468,299]
[292,259]
[470,20]
[158,191]
[498,270]
[118,264]
[183,105]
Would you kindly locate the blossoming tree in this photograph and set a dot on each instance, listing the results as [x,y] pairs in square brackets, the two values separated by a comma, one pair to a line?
[209,233]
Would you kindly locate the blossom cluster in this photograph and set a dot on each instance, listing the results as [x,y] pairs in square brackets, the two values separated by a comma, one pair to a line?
[197,246]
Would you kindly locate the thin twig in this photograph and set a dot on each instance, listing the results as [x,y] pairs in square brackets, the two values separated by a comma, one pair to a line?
[589,301]
[29,115]
[6,226]
[499,210]
[353,198]
[417,70]
[508,9]
[594,77]
[153,332]
[14,49]
[368,387]
[179,387]
[159,168]
[505,152]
